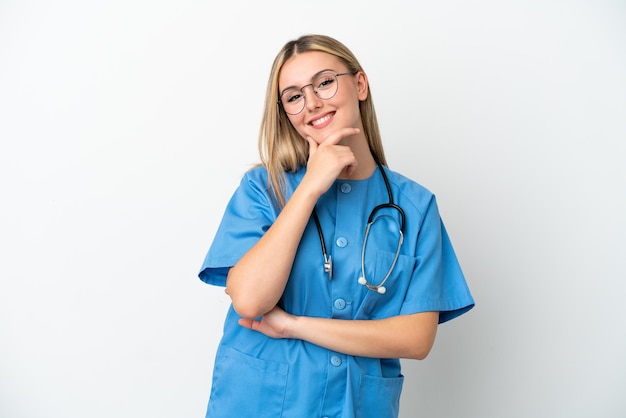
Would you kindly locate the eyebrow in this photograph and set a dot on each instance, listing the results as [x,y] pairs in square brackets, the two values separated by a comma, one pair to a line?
[314,75]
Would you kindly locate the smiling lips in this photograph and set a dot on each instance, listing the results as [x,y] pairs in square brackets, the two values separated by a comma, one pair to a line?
[323,121]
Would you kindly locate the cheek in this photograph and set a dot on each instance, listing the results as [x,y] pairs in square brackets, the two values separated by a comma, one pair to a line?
[297,121]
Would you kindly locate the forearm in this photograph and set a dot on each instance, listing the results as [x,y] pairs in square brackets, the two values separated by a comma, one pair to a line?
[257,281]
[404,336]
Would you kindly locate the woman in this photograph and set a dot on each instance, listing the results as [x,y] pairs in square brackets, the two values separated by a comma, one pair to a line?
[323,305]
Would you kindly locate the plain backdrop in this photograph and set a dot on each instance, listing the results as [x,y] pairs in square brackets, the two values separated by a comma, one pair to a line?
[125,126]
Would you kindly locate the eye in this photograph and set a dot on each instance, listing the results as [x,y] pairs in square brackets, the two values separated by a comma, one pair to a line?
[292,96]
[325,81]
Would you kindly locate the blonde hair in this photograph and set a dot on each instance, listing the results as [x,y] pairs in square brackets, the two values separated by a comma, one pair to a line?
[281,148]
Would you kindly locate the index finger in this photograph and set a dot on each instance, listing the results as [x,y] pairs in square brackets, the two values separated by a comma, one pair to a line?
[336,137]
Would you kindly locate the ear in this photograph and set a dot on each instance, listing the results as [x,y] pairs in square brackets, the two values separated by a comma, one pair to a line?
[362,85]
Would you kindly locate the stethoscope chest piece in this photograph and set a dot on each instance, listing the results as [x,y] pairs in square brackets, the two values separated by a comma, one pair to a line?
[328,266]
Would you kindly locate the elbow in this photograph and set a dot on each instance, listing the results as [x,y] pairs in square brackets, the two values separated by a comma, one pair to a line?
[248,307]
[245,302]
[420,353]
[421,343]
[422,339]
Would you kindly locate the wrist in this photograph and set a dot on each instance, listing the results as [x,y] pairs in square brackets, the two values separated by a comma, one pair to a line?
[308,189]
[293,326]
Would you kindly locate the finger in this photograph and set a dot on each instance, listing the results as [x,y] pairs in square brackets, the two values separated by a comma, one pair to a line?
[337,136]
[246,322]
[312,145]
[350,169]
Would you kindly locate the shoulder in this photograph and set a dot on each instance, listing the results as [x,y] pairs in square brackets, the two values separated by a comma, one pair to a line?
[259,174]
[256,181]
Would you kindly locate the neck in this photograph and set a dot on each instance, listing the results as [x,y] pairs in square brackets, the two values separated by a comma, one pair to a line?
[366,163]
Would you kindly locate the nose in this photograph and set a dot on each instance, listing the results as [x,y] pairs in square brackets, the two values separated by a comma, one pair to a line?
[311,101]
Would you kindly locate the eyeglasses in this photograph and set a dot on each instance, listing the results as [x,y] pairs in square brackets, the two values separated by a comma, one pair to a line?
[324,85]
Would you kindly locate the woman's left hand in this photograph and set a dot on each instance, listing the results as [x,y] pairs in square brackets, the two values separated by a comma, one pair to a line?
[274,324]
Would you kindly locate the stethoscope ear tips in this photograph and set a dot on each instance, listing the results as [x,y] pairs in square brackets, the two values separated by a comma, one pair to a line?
[379,289]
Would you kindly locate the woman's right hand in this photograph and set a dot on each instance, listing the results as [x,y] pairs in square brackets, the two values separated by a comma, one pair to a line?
[328,160]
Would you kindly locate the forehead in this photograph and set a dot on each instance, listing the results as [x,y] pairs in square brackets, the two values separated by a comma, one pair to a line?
[299,69]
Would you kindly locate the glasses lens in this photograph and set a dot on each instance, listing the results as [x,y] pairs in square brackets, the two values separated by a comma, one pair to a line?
[325,85]
[292,101]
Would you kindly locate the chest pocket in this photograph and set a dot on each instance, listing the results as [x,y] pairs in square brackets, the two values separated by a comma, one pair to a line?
[375,305]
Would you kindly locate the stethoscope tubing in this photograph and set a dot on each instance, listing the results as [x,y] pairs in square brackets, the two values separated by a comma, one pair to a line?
[328,266]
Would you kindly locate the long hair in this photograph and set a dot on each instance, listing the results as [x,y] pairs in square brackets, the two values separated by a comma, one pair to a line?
[280,146]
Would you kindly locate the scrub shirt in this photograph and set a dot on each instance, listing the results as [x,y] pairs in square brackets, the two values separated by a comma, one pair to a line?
[257,376]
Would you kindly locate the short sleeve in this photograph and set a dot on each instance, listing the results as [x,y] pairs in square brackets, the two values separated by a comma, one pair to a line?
[437,282]
[248,215]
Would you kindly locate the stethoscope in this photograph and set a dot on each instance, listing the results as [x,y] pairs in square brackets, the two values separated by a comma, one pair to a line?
[328,262]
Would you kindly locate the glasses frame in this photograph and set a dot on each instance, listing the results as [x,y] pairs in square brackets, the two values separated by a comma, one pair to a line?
[301,89]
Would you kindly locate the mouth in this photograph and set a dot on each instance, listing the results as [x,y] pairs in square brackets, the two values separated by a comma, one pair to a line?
[322,121]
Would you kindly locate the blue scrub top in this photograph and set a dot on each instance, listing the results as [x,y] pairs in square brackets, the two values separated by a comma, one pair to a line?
[257,376]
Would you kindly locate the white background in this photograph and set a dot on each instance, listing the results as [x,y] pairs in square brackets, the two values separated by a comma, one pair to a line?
[126,125]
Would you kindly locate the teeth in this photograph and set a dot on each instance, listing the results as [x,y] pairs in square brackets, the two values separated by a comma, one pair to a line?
[320,121]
